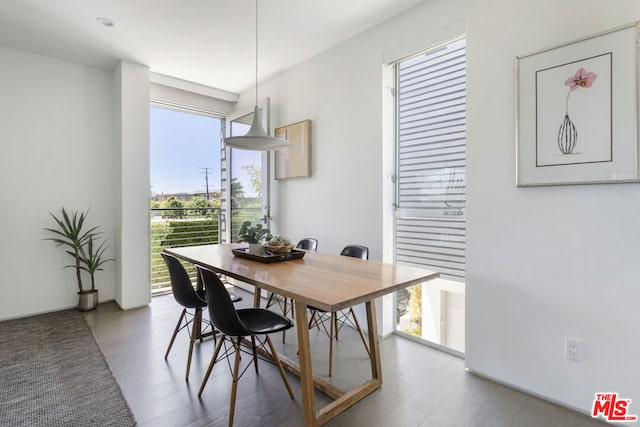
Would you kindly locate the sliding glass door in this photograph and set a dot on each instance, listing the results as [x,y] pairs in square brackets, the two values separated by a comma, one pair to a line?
[185,183]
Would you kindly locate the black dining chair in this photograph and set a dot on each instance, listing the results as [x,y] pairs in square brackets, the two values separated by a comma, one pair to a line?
[343,317]
[308,244]
[188,298]
[234,325]
[286,304]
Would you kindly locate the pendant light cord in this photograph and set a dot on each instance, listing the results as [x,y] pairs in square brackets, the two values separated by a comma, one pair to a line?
[256,139]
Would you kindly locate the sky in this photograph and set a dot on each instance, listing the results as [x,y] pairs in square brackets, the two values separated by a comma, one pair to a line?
[182,145]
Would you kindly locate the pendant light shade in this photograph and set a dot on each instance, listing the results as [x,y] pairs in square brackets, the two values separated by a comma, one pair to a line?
[256,139]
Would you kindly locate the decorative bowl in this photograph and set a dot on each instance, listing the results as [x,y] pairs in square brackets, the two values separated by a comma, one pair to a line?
[277,250]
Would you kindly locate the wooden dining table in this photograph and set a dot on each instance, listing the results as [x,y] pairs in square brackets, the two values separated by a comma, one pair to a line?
[325,281]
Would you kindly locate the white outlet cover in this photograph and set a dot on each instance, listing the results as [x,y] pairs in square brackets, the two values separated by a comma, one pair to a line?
[573,349]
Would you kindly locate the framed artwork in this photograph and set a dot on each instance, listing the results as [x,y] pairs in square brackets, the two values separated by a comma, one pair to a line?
[577,114]
[294,161]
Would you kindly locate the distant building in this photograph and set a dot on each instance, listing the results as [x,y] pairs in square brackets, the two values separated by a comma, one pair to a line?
[185,197]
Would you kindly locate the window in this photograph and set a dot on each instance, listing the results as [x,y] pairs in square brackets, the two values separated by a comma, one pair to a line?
[245,181]
[185,153]
[429,214]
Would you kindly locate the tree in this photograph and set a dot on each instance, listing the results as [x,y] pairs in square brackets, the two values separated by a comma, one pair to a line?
[201,205]
[237,192]
[255,178]
[173,203]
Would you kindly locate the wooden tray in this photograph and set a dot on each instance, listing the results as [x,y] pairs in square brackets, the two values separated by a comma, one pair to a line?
[268,257]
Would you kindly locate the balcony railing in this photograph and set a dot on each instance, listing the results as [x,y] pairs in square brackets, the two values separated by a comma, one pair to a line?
[175,227]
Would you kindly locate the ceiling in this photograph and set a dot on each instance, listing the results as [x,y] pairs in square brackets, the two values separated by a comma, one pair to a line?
[209,42]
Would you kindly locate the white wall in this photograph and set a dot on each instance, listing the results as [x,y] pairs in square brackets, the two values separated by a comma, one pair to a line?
[133,288]
[58,149]
[544,263]
[77,137]
[532,279]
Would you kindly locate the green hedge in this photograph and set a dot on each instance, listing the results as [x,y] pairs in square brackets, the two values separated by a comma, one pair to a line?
[174,232]
[190,232]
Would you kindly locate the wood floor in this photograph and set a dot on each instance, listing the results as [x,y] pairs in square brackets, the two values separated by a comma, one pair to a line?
[422,386]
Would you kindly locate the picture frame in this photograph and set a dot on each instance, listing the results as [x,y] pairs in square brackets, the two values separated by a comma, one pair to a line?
[294,161]
[577,111]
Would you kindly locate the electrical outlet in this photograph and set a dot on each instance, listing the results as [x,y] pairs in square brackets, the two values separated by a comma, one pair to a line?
[573,349]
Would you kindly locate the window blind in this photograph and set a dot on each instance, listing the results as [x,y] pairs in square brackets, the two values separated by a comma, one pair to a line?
[431,160]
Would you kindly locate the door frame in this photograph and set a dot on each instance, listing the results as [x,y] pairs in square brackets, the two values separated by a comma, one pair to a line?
[265,213]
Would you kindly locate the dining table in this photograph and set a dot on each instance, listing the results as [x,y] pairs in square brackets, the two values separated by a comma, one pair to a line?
[324,281]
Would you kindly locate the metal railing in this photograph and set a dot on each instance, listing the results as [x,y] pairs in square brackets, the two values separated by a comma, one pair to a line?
[240,215]
[175,227]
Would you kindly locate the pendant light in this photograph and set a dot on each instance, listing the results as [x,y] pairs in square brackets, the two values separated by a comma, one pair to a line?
[256,139]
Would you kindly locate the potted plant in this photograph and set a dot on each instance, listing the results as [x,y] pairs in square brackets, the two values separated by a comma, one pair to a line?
[92,259]
[82,245]
[254,236]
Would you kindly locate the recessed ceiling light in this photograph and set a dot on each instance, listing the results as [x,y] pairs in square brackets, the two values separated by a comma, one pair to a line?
[105,21]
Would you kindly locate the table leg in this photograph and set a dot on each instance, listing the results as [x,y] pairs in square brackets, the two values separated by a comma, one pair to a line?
[256,297]
[349,399]
[306,373]
[374,343]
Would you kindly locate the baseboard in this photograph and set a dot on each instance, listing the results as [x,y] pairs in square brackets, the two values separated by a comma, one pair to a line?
[37,313]
[534,394]
[127,308]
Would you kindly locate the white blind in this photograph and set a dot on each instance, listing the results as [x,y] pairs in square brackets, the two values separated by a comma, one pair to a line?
[437,244]
[431,151]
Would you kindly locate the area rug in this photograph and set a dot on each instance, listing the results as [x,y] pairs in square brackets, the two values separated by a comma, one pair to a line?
[52,373]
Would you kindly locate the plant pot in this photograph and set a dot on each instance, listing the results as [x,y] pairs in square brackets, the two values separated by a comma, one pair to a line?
[87,300]
[256,248]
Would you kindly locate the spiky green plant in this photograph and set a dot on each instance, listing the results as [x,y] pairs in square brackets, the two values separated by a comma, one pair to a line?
[93,259]
[70,233]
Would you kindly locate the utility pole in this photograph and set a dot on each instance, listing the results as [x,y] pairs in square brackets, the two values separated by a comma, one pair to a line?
[206,173]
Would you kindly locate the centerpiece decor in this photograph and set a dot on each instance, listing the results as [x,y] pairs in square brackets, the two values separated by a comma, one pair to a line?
[279,245]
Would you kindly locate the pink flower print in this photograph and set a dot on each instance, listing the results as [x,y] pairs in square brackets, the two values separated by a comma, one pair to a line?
[581,79]
[568,135]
